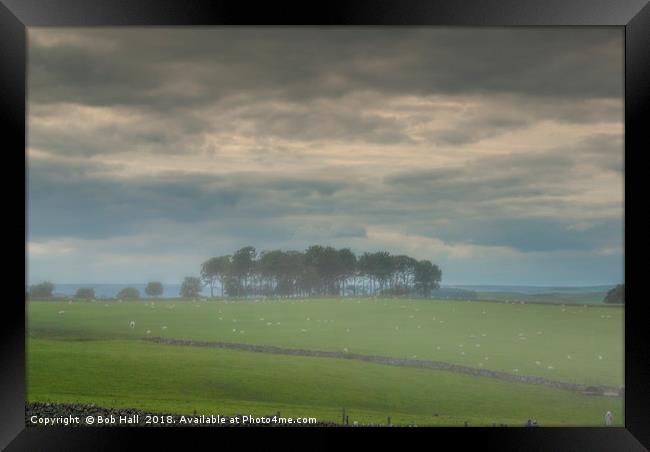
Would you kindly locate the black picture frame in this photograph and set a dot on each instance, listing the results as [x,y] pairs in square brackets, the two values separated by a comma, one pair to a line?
[632,15]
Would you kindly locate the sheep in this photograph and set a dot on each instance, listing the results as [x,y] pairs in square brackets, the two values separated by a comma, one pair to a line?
[164,327]
[132,324]
[61,312]
[148,331]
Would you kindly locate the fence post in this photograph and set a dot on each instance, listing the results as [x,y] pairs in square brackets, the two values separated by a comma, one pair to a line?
[389,421]
[343,419]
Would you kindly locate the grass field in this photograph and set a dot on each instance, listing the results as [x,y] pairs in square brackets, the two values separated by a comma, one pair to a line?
[88,353]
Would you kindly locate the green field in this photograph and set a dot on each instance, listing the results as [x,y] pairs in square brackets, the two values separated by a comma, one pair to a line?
[88,353]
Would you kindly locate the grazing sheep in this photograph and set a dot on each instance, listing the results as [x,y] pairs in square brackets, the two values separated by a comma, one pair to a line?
[164,327]
[148,331]
[61,312]
[345,349]
[132,324]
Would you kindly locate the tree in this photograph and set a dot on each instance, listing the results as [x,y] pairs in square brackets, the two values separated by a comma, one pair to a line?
[616,295]
[191,287]
[242,265]
[213,270]
[427,277]
[128,293]
[154,289]
[85,293]
[42,290]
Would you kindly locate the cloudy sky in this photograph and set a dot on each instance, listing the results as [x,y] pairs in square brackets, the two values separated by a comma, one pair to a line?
[495,153]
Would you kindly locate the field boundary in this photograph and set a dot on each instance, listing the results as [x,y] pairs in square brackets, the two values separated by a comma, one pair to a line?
[400,362]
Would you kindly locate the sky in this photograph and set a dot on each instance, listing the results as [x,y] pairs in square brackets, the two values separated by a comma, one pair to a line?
[496,153]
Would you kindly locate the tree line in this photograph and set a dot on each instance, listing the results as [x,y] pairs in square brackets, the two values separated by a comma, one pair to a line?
[190,288]
[318,271]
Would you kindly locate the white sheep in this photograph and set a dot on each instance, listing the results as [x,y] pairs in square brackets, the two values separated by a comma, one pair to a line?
[61,312]
[132,324]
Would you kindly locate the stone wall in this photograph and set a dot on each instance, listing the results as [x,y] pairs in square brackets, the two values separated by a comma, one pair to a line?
[401,362]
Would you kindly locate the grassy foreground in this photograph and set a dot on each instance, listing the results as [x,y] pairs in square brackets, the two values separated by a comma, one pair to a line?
[86,352]
[123,373]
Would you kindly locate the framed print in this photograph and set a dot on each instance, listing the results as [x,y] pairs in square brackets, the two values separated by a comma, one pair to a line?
[383,218]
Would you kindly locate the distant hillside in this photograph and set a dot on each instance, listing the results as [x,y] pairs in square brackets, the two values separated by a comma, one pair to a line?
[532,290]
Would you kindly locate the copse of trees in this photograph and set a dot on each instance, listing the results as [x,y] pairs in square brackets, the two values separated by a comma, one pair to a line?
[42,290]
[85,293]
[616,295]
[154,289]
[319,270]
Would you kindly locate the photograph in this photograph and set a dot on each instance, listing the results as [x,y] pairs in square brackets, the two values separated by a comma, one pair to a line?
[297,226]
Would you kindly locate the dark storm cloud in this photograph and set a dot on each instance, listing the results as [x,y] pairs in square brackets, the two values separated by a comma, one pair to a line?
[83,200]
[531,234]
[180,67]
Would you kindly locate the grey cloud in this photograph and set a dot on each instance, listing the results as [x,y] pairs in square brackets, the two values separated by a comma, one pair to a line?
[142,66]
